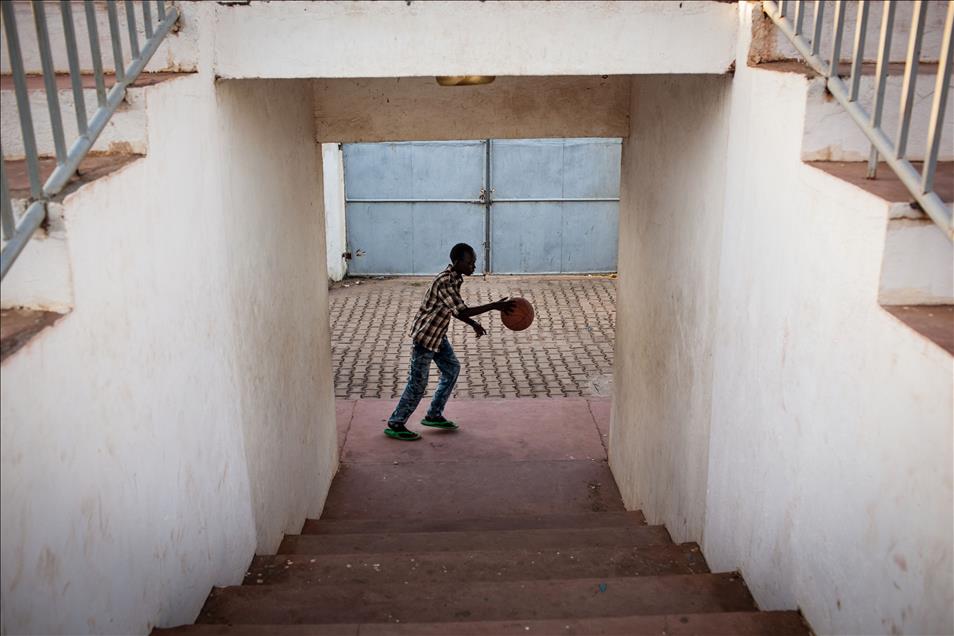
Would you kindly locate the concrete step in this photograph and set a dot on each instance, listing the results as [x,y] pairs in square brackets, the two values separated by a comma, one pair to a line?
[19,326]
[636,536]
[449,489]
[477,565]
[916,266]
[708,624]
[934,322]
[125,132]
[472,601]
[42,276]
[510,522]
[829,133]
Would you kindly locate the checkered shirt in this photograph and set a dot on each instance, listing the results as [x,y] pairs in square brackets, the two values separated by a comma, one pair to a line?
[440,303]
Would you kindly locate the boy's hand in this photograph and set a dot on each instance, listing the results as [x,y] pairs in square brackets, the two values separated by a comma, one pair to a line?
[478,329]
[504,305]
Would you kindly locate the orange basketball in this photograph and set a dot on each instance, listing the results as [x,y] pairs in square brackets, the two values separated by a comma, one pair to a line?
[521,317]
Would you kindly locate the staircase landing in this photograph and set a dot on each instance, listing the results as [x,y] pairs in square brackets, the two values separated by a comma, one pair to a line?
[511,525]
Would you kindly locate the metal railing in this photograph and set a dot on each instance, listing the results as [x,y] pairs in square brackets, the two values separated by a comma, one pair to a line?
[844,87]
[17,232]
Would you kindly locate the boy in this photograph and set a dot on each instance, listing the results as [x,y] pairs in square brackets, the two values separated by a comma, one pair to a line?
[429,334]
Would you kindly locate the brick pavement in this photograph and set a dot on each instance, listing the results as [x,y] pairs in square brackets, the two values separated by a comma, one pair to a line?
[567,352]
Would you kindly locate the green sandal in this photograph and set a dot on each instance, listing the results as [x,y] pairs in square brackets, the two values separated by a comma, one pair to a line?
[404,436]
[442,423]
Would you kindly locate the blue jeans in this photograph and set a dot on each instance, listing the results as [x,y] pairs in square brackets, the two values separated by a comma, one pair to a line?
[417,382]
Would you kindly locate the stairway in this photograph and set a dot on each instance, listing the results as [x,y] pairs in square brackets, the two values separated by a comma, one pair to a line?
[484,545]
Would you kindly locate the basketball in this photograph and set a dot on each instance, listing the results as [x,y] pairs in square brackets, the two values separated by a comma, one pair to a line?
[521,317]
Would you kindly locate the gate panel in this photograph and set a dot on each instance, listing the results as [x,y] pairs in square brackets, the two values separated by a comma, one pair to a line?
[408,203]
[383,232]
[590,233]
[527,238]
[438,227]
[556,205]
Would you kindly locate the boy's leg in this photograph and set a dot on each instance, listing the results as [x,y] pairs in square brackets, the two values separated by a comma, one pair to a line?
[450,368]
[415,388]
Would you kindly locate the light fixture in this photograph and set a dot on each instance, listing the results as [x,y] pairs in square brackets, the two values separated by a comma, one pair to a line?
[464,80]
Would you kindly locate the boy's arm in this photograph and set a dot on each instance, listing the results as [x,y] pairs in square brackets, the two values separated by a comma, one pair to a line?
[478,328]
[503,305]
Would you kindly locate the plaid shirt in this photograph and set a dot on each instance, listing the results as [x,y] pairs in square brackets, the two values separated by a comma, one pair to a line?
[441,301]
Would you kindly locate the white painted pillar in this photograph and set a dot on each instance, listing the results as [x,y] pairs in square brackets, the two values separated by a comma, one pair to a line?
[335,232]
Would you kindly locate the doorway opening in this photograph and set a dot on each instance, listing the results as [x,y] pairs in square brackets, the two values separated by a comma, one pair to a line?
[542,215]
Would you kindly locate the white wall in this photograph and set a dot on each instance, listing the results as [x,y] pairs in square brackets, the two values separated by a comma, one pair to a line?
[401,39]
[332,161]
[418,108]
[830,457]
[669,239]
[181,417]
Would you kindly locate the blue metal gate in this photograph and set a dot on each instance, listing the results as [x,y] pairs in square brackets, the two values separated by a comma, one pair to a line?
[528,206]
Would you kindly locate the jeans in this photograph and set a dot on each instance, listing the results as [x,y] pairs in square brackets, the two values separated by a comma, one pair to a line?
[417,382]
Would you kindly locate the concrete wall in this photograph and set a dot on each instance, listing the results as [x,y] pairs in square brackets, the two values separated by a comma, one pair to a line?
[669,240]
[332,161]
[830,458]
[418,108]
[406,39]
[181,416]
[765,404]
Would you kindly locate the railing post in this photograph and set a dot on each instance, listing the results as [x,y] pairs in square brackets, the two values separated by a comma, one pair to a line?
[910,77]
[836,38]
[116,41]
[95,53]
[858,59]
[76,78]
[49,80]
[941,85]
[881,76]
[23,98]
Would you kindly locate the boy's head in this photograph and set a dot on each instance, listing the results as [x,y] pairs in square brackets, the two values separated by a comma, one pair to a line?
[463,259]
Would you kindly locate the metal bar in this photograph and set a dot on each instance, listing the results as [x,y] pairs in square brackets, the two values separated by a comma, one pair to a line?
[131,24]
[488,198]
[782,8]
[799,16]
[930,202]
[161,9]
[49,80]
[881,76]
[83,143]
[941,85]
[28,224]
[76,78]
[7,221]
[23,98]
[147,17]
[837,37]
[95,52]
[817,30]
[858,59]
[559,200]
[475,201]
[116,40]
[495,200]
[910,76]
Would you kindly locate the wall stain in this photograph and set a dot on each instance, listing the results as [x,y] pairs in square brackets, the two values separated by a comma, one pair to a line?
[48,566]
